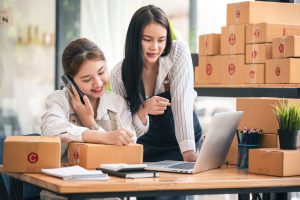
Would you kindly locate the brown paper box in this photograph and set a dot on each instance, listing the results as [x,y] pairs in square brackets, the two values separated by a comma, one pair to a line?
[265,33]
[255,12]
[254,73]
[232,156]
[259,114]
[233,40]
[209,70]
[278,48]
[284,70]
[90,156]
[232,69]
[274,162]
[31,153]
[258,53]
[292,46]
[269,141]
[209,44]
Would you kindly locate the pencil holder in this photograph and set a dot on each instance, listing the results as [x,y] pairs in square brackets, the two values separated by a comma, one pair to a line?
[243,154]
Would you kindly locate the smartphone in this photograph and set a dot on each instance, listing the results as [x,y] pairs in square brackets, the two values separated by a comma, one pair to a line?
[69,82]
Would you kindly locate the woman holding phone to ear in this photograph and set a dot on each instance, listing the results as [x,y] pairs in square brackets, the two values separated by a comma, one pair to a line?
[156,79]
[99,118]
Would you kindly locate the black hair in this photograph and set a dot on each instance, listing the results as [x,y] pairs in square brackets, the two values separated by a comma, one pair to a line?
[133,63]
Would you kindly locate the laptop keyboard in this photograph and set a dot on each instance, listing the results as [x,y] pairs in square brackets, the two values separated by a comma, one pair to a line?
[187,165]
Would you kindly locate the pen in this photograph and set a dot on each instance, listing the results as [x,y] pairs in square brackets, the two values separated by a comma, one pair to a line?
[238,136]
[118,120]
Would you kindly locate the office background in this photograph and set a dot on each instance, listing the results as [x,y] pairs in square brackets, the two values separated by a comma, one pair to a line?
[33,34]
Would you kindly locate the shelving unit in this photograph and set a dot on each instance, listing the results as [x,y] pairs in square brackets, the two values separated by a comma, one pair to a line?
[249,90]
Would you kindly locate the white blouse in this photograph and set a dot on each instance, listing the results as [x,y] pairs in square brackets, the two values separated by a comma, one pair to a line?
[60,119]
[177,65]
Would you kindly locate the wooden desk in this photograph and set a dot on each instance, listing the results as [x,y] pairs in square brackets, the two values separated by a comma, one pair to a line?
[226,180]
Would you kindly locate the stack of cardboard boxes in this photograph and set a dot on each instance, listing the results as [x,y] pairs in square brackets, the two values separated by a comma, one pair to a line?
[240,53]
[259,114]
[285,65]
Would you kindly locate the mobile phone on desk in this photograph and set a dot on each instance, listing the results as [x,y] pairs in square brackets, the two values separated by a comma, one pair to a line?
[69,82]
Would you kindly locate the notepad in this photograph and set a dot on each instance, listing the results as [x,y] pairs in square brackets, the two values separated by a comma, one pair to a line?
[76,173]
[123,167]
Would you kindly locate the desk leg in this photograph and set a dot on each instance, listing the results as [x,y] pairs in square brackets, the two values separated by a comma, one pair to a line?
[16,189]
[243,196]
[281,196]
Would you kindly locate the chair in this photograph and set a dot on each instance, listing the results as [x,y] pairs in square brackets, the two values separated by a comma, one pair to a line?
[30,192]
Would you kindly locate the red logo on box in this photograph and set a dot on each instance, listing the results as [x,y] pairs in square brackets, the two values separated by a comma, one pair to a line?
[231,39]
[256,33]
[254,54]
[32,157]
[231,69]
[237,13]
[208,69]
[277,71]
[281,48]
[252,74]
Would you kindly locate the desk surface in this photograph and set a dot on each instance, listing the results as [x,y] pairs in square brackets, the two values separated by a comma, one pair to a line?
[218,179]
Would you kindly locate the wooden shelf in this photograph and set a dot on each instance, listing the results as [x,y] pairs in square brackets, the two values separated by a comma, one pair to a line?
[249,90]
[247,85]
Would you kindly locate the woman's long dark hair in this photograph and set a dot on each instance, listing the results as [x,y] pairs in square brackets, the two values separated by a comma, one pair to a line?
[133,63]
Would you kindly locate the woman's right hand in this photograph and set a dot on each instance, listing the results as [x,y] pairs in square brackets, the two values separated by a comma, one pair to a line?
[156,105]
[119,137]
[84,111]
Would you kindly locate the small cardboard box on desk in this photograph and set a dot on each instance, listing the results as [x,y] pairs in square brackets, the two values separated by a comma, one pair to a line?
[275,162]
[90,156]
[31,153]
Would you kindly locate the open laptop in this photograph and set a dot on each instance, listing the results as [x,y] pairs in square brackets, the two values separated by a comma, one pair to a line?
[214,148]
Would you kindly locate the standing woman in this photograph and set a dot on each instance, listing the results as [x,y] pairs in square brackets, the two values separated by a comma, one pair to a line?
[156,78]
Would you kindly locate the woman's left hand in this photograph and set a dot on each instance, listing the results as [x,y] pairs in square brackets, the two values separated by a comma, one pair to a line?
[189,156]
[84,111]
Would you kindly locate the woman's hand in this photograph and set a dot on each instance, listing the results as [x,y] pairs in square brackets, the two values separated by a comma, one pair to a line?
[189,156]
[119,137]
[156,105]
[85,111]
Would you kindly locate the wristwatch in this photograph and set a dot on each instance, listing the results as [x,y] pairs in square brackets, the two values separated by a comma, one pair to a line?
[95,127]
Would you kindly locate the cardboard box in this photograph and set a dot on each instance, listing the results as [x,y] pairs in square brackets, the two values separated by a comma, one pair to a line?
[269,141]
[292,46]
[259,114]
[233,40]
[90,156]
[232,69]
[284,70]
[209,44]
[255,12]
[31,153]
[258,53]
[209,70]
[265,33]
[254,73]
[278,48]
[275,162]
[232,156]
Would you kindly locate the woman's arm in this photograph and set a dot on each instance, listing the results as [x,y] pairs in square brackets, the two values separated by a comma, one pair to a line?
[140,120]
[55,121]
[183,94]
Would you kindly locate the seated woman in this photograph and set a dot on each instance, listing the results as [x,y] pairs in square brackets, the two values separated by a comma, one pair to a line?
[98,115]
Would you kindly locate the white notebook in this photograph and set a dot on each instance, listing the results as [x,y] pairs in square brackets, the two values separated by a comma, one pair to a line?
[123,167]
[76,173]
